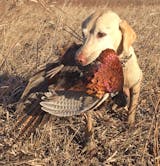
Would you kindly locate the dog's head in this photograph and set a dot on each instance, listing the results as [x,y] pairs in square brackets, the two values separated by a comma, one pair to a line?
[104,30]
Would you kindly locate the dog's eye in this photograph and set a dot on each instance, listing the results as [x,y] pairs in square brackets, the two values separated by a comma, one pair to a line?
[101,34]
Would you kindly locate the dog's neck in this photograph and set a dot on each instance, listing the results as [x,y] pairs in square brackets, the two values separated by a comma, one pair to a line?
[120,47]
[118,44]
[123,56]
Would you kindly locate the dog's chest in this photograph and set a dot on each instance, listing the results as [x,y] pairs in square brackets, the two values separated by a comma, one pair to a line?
[131,72]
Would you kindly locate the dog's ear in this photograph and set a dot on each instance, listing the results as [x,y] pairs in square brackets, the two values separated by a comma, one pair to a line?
[129,36]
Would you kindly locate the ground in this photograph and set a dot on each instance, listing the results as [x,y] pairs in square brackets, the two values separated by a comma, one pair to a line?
[32,33]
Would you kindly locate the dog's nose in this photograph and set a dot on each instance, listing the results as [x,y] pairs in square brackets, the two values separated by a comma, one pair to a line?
[80,58]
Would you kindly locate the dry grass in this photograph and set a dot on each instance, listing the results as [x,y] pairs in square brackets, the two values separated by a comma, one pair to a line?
[32,33]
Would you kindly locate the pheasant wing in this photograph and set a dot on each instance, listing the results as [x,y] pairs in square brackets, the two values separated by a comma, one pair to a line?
[28,111]
[39,81]
[69,103]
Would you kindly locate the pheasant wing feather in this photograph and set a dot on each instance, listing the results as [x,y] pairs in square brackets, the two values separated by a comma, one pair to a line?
[69,103]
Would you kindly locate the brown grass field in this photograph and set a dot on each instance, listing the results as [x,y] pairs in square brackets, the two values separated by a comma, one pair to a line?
[32,32]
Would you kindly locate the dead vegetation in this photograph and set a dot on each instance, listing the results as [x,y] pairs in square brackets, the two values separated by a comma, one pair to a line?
[32,33]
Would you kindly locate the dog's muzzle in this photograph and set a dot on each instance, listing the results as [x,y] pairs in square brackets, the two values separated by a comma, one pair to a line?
[81,59]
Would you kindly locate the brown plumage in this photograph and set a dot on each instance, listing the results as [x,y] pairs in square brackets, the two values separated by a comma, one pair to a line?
[29,113]
[107,75]
[71,90]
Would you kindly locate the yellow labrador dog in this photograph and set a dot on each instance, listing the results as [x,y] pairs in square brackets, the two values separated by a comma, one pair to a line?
[103,30]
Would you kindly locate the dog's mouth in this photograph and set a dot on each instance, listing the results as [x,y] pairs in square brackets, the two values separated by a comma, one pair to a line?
[93,66]
[97,62]
[90,69]
[104,59]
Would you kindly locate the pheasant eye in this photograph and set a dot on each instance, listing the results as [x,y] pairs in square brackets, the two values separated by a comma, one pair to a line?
[101,34]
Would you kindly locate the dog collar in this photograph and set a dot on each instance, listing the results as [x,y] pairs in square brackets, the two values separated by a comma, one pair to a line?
[125,59]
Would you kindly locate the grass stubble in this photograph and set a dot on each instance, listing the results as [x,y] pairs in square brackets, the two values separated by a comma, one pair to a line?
[34,32]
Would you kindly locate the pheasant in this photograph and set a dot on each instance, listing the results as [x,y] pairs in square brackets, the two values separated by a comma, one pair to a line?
[63,88]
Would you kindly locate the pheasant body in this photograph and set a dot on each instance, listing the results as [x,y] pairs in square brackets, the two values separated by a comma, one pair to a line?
[71,90]
[107,75]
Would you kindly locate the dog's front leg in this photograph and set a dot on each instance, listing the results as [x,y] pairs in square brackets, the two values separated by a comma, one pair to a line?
[90,144]
[134,95]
